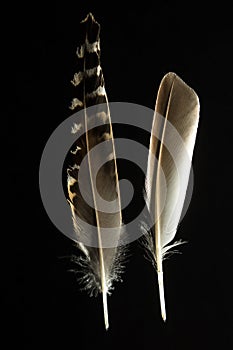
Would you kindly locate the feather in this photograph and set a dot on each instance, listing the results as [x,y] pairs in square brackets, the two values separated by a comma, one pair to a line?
[101,262]
[172,142]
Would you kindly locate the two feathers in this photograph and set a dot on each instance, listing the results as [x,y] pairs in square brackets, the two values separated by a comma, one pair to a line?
[173,131]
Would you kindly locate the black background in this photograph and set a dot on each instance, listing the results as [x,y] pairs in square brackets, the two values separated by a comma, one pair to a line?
[140,43]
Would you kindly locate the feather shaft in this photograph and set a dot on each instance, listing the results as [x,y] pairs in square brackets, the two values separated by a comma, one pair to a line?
[101,257]
[158,233]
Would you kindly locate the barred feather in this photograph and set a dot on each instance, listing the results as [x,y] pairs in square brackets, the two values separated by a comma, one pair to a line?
[100,265]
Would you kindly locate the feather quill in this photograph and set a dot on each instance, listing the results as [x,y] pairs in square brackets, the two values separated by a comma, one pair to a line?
[101,265]
[177,106]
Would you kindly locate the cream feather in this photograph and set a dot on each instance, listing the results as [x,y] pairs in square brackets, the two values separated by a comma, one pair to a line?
[171,149]
[101,265]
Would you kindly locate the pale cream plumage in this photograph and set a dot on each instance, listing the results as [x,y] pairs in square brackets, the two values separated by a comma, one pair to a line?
[172,142]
